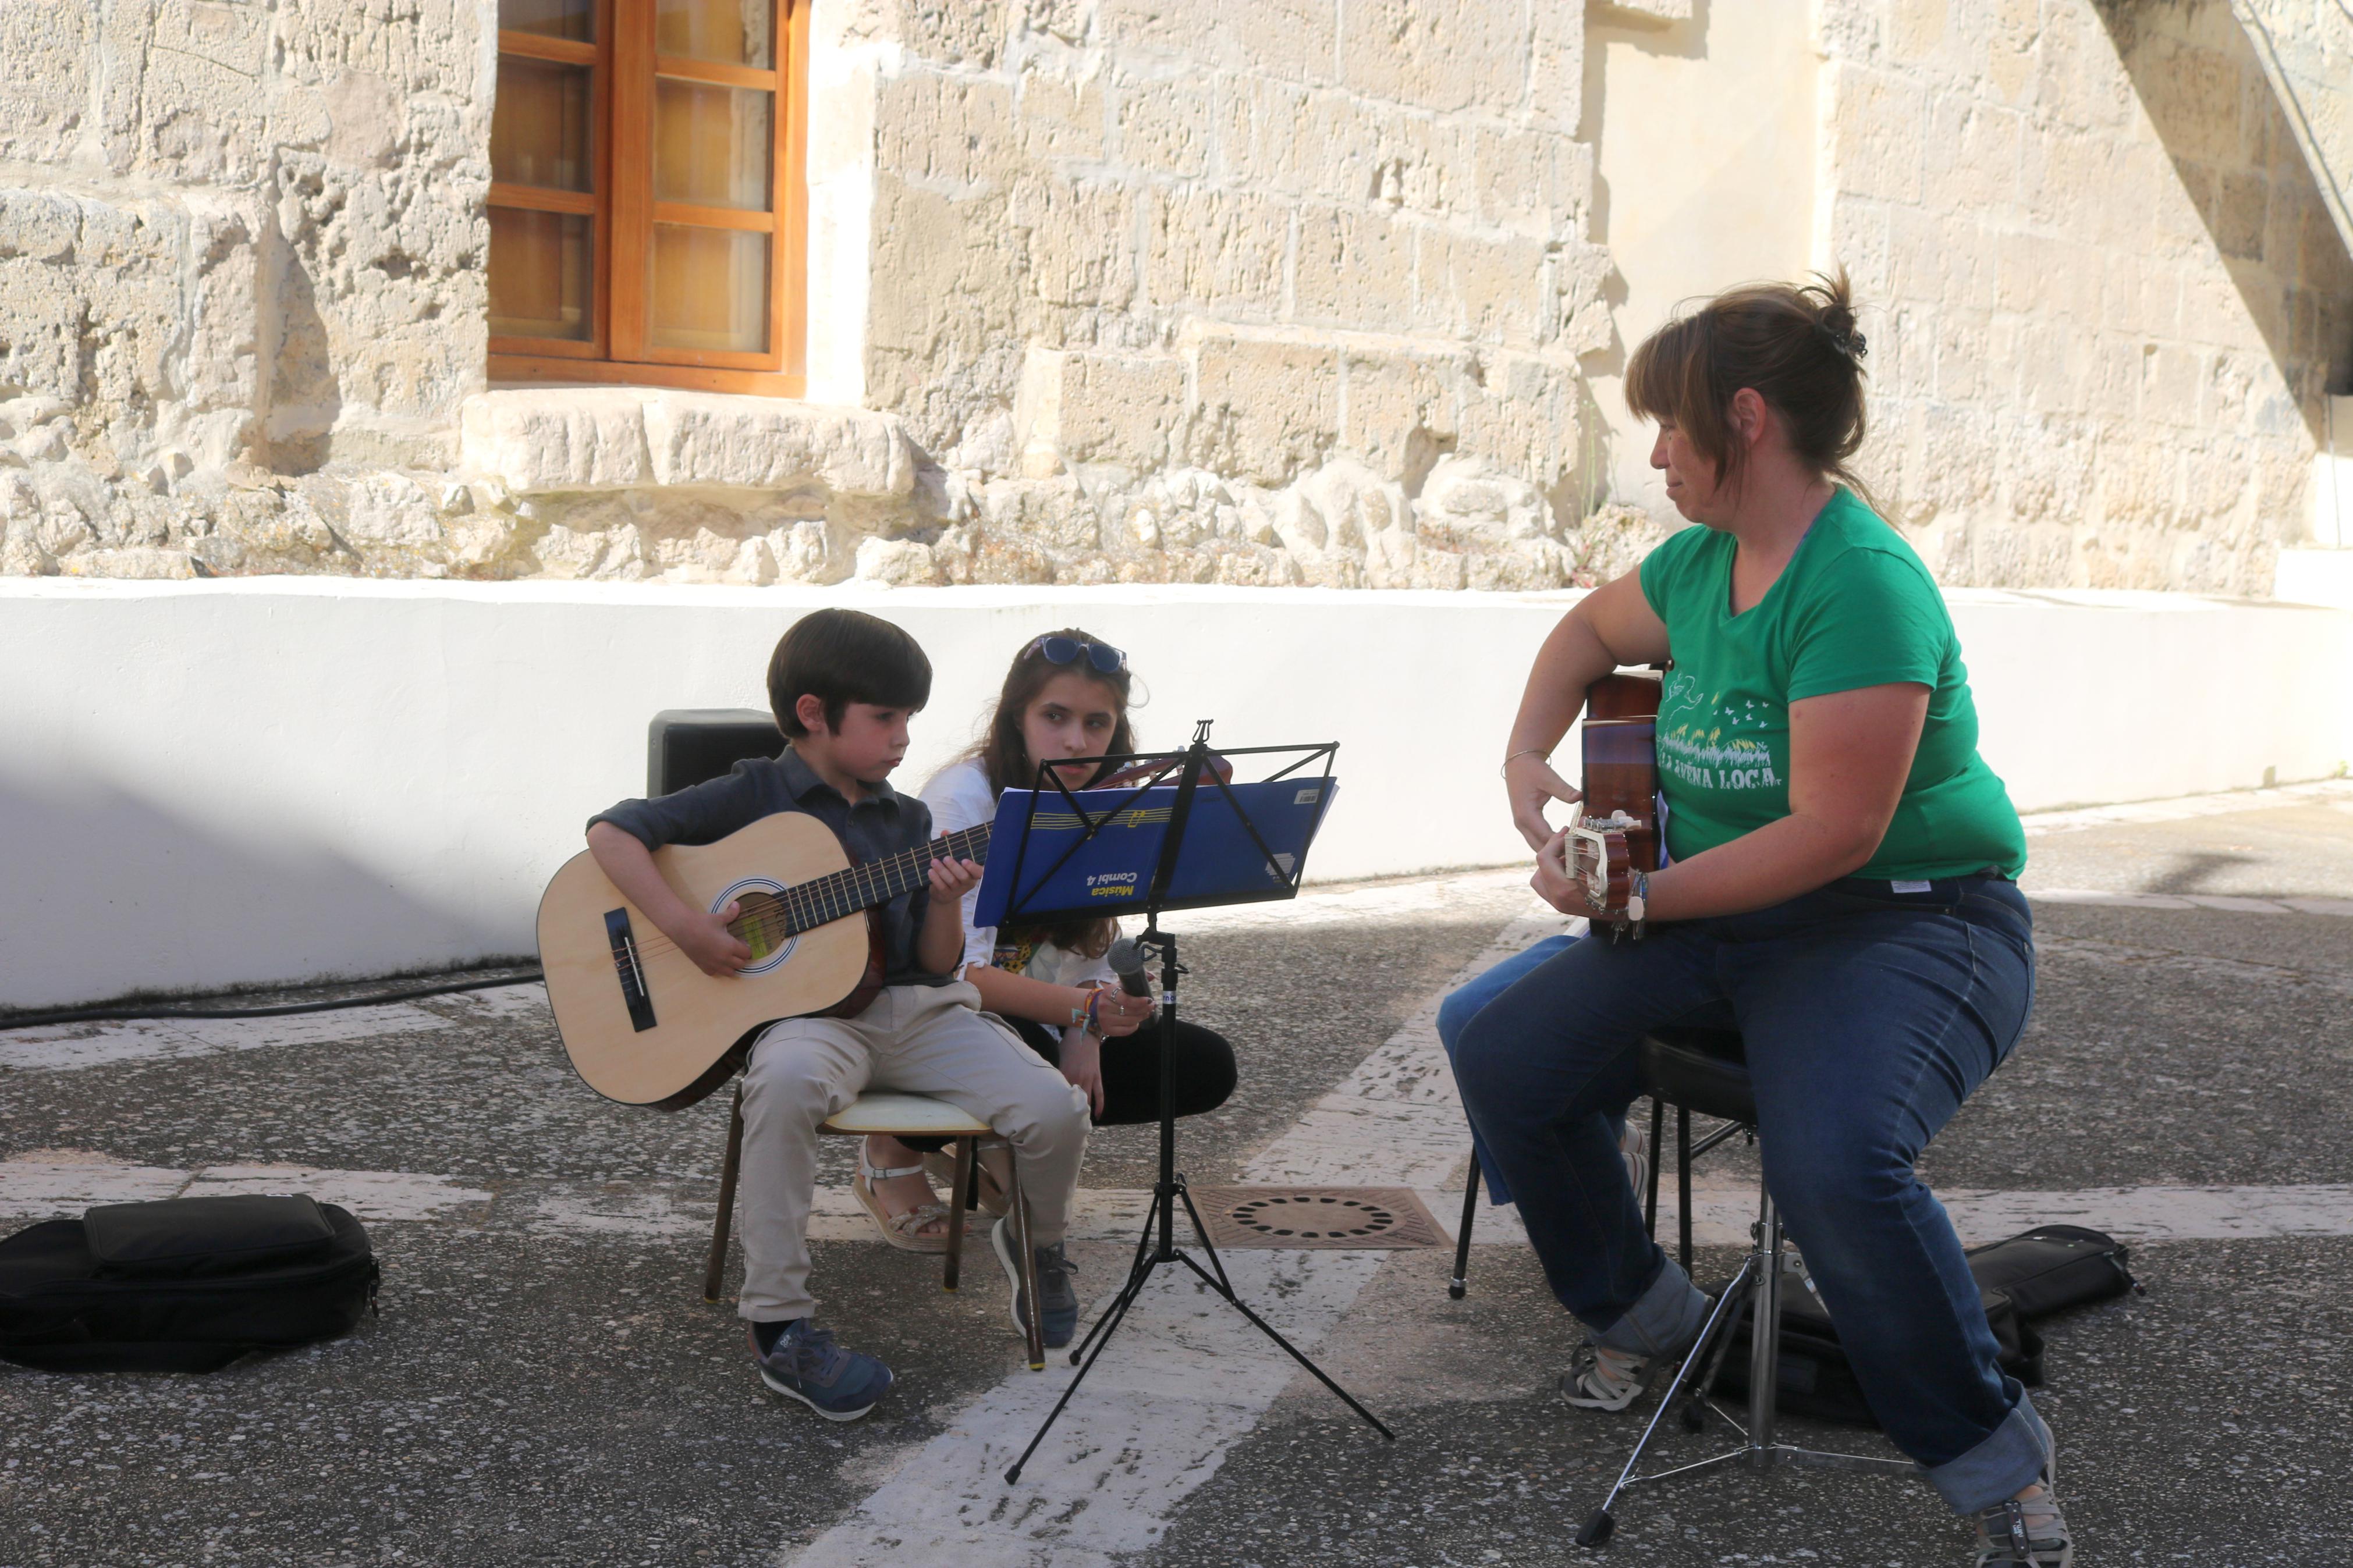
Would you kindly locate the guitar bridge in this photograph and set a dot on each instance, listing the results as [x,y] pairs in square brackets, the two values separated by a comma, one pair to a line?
[632,972]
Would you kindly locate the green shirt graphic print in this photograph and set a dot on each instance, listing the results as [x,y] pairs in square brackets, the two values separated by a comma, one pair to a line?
[1854,608]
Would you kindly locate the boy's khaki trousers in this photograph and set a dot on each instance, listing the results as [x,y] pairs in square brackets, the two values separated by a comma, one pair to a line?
[922,1039]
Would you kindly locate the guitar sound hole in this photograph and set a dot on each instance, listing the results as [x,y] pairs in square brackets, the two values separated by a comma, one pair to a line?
[760,922]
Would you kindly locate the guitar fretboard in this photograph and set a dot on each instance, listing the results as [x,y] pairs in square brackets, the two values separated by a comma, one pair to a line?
[809,905]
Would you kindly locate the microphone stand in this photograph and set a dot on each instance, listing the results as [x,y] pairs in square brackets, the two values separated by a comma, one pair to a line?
[1157,1247]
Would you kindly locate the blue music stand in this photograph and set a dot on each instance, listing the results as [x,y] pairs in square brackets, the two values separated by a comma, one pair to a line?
[1182,835]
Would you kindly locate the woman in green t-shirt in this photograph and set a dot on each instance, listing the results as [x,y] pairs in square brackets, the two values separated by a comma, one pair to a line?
[1840,891]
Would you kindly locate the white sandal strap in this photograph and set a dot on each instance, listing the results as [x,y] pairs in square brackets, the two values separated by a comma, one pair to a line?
[874,1173]
[908,1221]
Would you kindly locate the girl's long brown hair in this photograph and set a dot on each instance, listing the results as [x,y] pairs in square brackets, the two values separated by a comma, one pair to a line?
[1004,756]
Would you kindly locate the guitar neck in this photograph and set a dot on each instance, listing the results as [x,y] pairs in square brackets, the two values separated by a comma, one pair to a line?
[828,899]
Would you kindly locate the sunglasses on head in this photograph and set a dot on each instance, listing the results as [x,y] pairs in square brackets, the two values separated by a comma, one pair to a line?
[1105,658]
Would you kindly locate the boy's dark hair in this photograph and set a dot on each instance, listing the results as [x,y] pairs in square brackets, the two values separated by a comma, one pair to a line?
[841,656]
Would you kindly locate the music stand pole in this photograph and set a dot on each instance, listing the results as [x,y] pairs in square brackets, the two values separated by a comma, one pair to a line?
[1160,1223]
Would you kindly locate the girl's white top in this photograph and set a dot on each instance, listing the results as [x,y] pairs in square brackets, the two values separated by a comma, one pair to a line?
[960,797]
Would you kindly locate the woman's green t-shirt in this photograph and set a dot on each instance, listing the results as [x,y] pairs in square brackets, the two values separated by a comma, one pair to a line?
[1854,608]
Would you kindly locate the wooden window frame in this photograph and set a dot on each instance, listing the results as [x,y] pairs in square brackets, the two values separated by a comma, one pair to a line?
[624,67]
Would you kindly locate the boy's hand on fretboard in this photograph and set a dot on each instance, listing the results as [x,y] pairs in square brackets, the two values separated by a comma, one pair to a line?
[953,879]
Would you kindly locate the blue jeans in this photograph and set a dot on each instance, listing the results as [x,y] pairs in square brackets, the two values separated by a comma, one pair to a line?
[1454,1016]
[1869,1017]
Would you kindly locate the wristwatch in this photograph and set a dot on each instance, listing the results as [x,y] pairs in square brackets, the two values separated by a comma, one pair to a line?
[1636,901]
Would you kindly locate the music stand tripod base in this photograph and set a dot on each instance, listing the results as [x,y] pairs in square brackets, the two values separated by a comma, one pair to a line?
[1758,1282]
[1157,1245]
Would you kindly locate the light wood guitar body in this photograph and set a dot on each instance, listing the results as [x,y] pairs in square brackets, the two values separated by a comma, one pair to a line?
[640,1021]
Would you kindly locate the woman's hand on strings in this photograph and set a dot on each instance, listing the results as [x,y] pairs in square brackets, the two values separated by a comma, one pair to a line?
[1556,881]
[1530,784]
[716,951]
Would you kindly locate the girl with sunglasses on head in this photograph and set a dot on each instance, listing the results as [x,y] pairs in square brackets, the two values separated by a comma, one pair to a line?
[1063,703]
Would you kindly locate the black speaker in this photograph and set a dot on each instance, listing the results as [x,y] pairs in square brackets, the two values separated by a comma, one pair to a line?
[687,745]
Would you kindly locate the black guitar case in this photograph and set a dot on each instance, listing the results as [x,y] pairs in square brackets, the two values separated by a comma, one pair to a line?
[183,1285]
[2042,1271]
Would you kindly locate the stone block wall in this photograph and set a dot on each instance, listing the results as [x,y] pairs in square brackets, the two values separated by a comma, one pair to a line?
[2108,296]
[1281,292]
[241,246]
[1296,292]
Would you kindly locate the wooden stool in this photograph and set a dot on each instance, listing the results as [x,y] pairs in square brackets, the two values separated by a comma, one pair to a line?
[888,1113]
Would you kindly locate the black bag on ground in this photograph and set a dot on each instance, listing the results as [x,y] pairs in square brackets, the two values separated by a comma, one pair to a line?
[2029,1275]
[183,1285]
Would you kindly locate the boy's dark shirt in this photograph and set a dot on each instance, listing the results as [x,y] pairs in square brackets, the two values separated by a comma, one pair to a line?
[882,824]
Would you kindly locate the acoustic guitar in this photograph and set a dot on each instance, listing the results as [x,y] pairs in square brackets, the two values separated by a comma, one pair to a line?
[1616,830]
[640,1020]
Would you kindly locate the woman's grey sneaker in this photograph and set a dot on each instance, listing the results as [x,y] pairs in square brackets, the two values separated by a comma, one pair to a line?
[1634,1148]
[1600,1379]
[805,1362]
[2029,1534]
[1059,1318]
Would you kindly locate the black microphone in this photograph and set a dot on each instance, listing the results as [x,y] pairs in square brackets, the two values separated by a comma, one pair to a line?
[1127,960]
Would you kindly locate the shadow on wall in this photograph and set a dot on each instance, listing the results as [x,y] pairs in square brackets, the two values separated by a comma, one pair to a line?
[109,894]
[300,397]
[2198,78]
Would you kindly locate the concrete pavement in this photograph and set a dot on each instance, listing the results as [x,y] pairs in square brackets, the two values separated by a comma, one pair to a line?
[545,1384]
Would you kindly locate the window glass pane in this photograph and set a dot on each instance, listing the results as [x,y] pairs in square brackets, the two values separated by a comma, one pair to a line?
[539,132]
[733,31]
[713,145]
[540,285]
[550,18]
[710,288]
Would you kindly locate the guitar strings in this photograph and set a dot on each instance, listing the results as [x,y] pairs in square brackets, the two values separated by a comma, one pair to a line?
[807,902]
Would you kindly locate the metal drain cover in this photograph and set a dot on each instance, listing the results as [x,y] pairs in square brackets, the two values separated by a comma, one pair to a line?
[1365,1218]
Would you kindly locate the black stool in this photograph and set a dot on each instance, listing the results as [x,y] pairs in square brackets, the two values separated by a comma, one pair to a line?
[1707,1070]
[1685,1152]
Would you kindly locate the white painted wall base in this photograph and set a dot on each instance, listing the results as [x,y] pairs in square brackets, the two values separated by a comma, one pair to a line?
[2316,577]
[222,782]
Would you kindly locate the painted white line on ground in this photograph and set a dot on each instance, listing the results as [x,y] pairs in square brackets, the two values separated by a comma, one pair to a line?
[1722,1213]
[649,1212]
[73,1045]
[1158,1414]
[1186,1378]
[45,1183]
[2191,901]
[1397,1121]
[2336,792]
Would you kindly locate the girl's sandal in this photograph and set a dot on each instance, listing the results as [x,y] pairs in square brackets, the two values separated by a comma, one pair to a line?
[901,1230]
[993,1199]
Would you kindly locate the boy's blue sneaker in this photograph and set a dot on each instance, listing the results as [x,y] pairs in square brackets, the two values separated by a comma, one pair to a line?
[805,1362]
[1060,1318]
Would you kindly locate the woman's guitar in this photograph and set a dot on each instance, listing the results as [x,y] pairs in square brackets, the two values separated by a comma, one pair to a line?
[1616,832]
[640,1020]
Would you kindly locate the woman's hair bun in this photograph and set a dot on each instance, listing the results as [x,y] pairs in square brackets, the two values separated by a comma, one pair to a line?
[1833,304]
[1797,346]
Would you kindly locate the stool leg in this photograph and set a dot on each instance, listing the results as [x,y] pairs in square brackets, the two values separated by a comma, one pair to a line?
[721,1227]
[963,1159]
[1032,1321]
[1658,1148]
[1455,1285]
[1683,1185]
[1765,1340]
